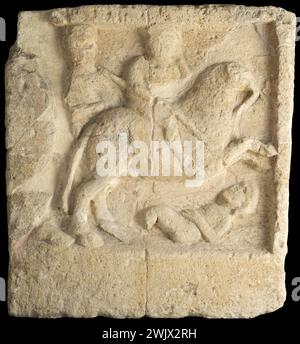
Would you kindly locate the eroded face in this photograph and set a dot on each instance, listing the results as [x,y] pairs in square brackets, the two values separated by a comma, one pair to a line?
[164,44]
[82,42]
[234,197]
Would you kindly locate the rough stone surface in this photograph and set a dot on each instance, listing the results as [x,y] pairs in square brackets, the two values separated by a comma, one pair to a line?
[82,245]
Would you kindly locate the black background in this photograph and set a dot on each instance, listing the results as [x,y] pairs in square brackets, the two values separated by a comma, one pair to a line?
[283,321]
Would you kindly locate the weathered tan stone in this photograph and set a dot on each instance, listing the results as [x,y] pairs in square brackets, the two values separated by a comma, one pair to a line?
[52,281]
[150,244]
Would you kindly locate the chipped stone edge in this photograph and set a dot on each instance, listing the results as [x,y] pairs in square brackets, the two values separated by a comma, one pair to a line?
[286,33]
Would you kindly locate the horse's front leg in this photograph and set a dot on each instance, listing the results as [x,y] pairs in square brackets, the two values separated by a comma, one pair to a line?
[236,149]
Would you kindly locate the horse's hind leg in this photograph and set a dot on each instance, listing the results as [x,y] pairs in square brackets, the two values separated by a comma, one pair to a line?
[80,227]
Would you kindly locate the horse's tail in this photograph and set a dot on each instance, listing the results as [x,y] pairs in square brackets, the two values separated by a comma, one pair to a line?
[74,160]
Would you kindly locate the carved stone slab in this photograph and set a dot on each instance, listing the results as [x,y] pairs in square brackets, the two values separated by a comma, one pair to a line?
[211,243]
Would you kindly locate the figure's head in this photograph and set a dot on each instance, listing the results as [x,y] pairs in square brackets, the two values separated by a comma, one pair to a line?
[163,41]
[236,196]
[82,43]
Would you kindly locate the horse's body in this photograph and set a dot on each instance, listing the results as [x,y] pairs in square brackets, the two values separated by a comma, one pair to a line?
[208,111]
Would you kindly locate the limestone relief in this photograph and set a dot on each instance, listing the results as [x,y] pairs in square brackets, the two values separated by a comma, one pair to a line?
[163,99]
[144,137]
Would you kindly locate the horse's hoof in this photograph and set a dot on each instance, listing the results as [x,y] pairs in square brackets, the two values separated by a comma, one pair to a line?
[122,232]
[60,239]
[90,240]
[53,236]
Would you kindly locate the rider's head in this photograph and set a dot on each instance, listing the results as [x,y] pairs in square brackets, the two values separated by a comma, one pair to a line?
[163,42]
